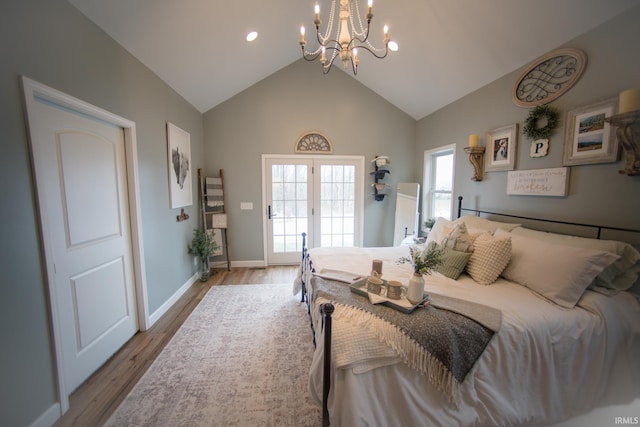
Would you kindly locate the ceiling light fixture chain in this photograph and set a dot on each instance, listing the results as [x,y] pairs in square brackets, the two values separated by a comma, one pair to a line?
[350,35]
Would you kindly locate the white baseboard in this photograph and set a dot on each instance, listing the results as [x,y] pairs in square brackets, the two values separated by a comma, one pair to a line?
[48,417]
[153,318]
[239,264]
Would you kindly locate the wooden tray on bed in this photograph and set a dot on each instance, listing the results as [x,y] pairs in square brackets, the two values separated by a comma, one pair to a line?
[360,287]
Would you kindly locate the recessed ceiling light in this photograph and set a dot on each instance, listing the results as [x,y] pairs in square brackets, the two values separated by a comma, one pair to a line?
[393,46]
[252,36]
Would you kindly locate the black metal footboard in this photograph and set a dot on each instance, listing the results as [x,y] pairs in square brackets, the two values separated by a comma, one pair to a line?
[303,265]
[327,311]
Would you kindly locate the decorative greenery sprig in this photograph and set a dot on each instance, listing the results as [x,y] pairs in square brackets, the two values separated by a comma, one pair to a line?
[202,244]
[531,129]
[424,261]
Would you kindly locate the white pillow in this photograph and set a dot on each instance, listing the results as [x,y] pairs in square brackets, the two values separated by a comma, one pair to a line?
[489,257]
[618,276]
[560,273]
[437,231]
[473,221]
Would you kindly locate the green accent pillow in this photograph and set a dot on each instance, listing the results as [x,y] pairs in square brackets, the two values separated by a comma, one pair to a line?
[453,263]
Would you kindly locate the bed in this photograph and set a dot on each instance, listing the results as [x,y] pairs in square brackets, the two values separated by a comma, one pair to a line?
[555,334]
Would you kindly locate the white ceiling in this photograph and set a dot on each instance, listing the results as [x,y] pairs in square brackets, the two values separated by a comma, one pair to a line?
[448,48]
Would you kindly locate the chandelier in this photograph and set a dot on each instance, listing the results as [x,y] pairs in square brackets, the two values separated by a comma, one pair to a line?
[350,35]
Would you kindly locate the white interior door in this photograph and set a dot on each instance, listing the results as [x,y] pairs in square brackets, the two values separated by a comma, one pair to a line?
[321,196]
[81,183]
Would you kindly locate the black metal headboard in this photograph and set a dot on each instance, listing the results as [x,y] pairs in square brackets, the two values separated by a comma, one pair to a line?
[597,228]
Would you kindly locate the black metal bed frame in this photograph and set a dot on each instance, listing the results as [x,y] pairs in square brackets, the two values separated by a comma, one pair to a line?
[327,309]
[598,228]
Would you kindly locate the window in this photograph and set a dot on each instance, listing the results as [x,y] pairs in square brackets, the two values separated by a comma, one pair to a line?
[438,182]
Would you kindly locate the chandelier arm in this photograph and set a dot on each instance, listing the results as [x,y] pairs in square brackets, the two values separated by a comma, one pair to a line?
[327,68]
[312,56]
[355,37]
[373,52]
[329,42]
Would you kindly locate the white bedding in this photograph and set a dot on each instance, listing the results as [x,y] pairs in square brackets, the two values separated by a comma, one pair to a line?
[545,364]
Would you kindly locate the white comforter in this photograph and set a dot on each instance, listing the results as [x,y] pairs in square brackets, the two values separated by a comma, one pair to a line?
[546,364]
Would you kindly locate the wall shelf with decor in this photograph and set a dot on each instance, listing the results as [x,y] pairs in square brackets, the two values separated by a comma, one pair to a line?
[381,165]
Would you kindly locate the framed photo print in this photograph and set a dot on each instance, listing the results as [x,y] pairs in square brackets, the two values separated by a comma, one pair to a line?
[179,151]
[502,145]
[588,137]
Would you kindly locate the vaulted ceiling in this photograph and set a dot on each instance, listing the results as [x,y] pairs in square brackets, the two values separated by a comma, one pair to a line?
[448,48]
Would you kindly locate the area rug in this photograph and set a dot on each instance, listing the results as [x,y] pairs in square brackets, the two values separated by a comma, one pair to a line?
[242,358]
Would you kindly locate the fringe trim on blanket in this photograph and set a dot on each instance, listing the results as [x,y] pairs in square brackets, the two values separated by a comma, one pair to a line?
[412,353]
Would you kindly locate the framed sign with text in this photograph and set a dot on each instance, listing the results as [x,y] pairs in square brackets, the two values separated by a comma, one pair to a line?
[538,182]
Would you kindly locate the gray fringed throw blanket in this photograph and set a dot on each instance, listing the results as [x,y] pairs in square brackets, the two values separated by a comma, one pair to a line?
[443,341]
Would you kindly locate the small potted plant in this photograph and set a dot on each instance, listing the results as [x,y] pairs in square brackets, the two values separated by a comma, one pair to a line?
[203,246]
[424,261]
[428,224]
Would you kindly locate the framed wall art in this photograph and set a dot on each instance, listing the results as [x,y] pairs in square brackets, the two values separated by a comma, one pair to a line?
[549,77]
[502,147]
[179,151]
[538,182]
[589,138]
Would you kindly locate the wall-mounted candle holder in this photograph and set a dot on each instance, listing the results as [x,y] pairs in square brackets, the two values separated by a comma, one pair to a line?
[628,133]
[476,157]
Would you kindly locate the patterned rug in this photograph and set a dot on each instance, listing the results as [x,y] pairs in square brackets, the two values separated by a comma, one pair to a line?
[242,358]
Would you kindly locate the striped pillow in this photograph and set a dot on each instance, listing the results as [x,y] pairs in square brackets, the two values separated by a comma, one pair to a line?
[453,263]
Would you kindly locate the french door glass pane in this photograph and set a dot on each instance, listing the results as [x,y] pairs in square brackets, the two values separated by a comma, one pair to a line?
[337,198]
[289,206]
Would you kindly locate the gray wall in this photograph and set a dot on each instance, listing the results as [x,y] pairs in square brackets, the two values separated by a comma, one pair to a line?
[268,118]
[51,42]
[597,193]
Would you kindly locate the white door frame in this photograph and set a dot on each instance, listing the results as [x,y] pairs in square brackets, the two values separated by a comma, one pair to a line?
[34,91]
[359,194]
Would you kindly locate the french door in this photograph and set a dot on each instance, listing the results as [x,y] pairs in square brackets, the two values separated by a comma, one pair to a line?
[318,195]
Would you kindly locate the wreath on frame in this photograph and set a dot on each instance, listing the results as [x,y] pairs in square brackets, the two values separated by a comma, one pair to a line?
[531,129]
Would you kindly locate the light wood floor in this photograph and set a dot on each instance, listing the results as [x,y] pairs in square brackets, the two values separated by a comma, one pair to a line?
[95,400]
